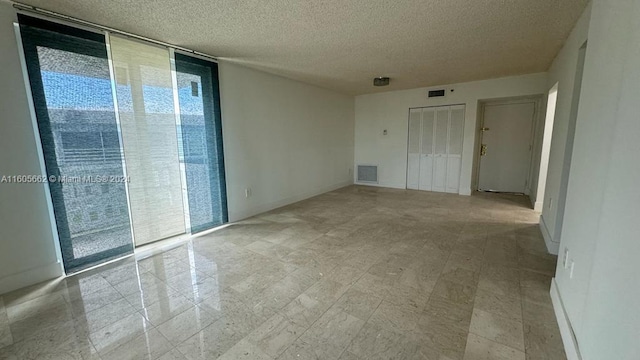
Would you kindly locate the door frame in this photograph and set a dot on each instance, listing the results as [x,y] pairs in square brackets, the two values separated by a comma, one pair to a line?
[406,172]
[537,100]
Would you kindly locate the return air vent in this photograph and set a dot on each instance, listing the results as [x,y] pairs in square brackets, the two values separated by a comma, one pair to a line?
[368,174]
[436,93]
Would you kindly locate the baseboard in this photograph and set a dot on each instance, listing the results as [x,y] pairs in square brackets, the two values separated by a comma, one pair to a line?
[552,246]
[30,277]
[383,185]
[537,206]
[243,214]
[566,331]
[464,192]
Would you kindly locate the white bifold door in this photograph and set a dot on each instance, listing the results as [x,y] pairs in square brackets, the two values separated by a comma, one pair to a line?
[435,148]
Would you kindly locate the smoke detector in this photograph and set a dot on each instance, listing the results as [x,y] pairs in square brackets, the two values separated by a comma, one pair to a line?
[380,81]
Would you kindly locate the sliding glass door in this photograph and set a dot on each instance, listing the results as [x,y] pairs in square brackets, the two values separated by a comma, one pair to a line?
[71,89]
[131,136]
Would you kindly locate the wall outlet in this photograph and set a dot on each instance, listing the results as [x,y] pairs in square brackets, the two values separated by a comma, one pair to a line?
[384,132]
[247,193]
[571,267]
[565,258]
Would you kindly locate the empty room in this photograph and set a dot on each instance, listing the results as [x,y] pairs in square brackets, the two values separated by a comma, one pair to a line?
[353,180]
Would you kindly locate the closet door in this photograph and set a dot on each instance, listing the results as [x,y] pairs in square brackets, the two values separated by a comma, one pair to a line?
[413,150]
[440,149]
[426,149]
[454,154]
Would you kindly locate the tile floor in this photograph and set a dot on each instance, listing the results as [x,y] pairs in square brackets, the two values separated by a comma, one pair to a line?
[357,273]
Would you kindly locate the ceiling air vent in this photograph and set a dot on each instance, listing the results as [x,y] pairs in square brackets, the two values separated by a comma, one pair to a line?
[368,174]
[436,93]
[381,81]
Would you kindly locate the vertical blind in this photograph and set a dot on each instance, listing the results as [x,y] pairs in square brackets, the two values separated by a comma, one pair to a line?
[201,129]
[132,146]
[70,83]
[147,116]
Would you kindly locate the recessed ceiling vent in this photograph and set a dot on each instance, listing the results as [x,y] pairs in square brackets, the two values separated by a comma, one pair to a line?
[381,81]
[436,93]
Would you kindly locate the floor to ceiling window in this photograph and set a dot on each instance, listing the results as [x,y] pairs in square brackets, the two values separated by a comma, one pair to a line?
[201,128]
[131,138]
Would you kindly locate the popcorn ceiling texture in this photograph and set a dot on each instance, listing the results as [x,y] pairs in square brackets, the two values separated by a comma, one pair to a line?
[342,45]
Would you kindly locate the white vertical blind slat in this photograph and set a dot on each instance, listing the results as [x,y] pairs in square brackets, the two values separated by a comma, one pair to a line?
[145,97]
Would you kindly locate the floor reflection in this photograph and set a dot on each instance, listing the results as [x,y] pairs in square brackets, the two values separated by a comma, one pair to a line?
[355,273]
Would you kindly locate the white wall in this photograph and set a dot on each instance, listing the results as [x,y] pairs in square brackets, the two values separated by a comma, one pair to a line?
[284,139]
[544,131]
[562,72]
[390,110]
[27,249]
[601,224]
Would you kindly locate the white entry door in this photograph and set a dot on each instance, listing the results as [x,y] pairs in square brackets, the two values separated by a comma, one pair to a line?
[506,147]
[434,150]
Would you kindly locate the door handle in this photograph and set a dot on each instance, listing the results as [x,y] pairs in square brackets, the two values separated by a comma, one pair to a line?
[483,150]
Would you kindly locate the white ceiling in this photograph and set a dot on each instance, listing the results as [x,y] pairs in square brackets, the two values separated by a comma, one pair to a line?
[343,44]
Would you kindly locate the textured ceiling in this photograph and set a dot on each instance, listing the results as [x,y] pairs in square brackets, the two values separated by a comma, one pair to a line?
[342,45]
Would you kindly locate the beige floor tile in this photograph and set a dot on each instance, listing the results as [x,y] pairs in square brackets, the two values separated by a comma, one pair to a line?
[505,306]
[52,345]
[186,324]
[497,328]
[399,318]
[174,354]
[535,313]
[376,343]
[166,309]
[275,335]
[439,335]
[95,300]
[150,345]
[356,273]
[104,316]
[332,333]
[479,348]
[358,303]
[119,333]
[454,292]
[542,263]
[543,341]
[441,310]
[245,350]
[211,342]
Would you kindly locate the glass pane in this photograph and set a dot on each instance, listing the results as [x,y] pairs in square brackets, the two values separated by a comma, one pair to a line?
[201,142]
[74,105]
